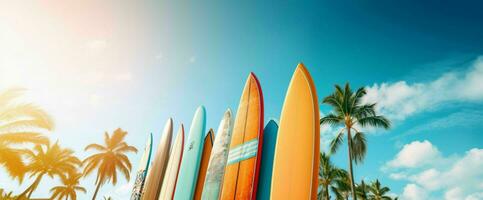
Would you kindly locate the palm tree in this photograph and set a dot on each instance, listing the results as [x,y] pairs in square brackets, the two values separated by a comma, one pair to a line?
[111,157]
[350,113]
[377,192]
[342,188]
[69,187]
[20,123]
[362,190]
[51,160]
[328,175]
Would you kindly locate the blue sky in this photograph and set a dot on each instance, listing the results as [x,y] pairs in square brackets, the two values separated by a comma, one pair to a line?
[96,66]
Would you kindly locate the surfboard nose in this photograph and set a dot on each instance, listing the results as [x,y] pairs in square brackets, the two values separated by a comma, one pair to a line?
[228,112]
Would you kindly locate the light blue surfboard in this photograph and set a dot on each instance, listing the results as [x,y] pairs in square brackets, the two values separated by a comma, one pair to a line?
[266,166]
[188,171]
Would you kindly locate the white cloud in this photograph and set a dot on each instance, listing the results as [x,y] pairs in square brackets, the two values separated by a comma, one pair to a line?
[415,154]
[464,118]
[428,179]
[398,176]
[327,134]
[414,192]
[475,196]
[454,193]
[458,177]
[402,99]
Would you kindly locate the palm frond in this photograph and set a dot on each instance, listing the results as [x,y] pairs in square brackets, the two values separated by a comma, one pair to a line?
[23,137]
[335,102]
[12,160]
[359,147]
[124,148]
[7,96]
[376,121]
[366,110]
[347,95]
[357,97]
[331,119]
[29,111]
[24,124]
[336,142]
[95,147]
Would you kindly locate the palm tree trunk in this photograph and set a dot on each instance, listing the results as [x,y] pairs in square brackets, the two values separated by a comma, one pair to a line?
[97,190]
[326,192]
[351,172]
[28,192]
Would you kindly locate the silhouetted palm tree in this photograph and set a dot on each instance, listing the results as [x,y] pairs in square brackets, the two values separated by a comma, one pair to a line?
[377,192]
[51,160]
[68,189]
[328,175]
[111,157]
[362,190]
[349,113]
[19,123]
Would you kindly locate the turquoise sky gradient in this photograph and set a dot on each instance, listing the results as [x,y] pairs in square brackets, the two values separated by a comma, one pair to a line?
[97,66]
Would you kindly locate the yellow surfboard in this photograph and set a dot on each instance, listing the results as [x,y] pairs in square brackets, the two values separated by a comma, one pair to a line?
[295,164]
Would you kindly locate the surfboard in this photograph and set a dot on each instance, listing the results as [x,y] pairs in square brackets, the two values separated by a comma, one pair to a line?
[295,164]
[266,166]
[158,166]
[188,172]
[241,173]
[219,155]
[205,159]
[142,169]
[171,175]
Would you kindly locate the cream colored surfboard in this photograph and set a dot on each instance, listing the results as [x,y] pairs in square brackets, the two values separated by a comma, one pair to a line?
[295,164]
[155,176]
[171,175]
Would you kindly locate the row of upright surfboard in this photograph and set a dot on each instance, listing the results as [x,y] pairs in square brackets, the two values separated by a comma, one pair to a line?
[244,161]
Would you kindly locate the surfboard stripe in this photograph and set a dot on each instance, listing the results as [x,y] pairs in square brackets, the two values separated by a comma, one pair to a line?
[243,152]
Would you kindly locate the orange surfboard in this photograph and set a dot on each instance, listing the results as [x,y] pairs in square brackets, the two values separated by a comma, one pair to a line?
[241,173]
[205,159]
[295,164]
